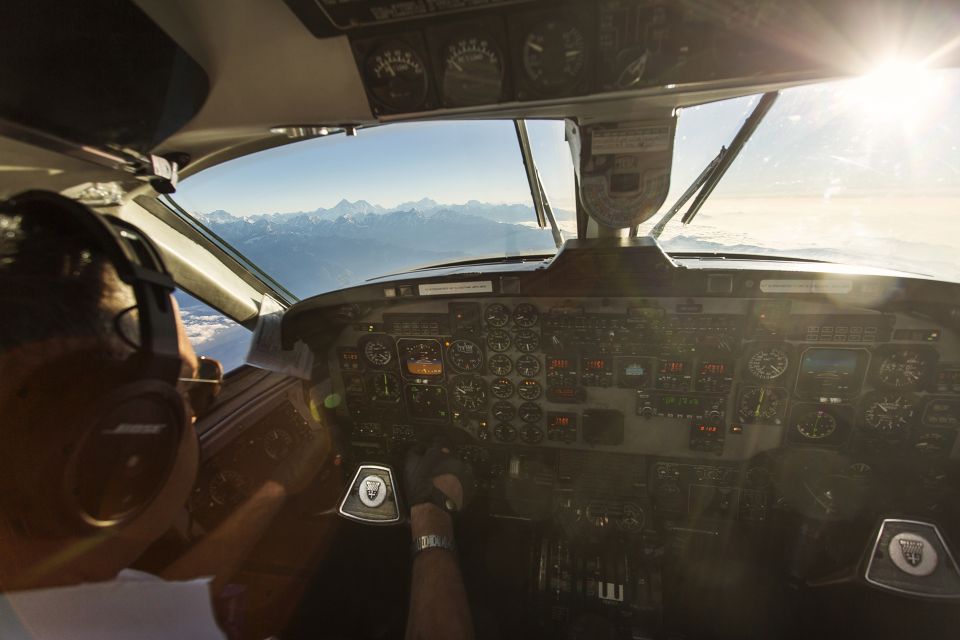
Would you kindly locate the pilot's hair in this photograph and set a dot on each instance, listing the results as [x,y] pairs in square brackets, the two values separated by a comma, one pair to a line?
[54,282]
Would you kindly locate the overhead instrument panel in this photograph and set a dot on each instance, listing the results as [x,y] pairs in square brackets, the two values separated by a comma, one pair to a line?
[420,56]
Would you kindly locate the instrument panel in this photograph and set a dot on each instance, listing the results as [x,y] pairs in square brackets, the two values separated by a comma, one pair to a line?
[529,51]
[680,377]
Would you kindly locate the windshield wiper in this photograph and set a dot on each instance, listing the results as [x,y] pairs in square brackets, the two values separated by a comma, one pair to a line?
[540,202]
[708,179]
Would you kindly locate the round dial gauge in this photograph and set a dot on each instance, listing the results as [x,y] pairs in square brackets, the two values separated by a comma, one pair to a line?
[632,518]
[500,364]
[768,363]
[527,340]
[554,56]
[472,72]
[817,425]
[903,369]
[378,351]
[396,77]
[501,388]
[498,340]
[505,432]
[888,414]
[529,389]
[762,405]
[529,412]
[503,411]
[384,387]
[228,487]
[277,444]
[465,356]
[531,434]
[469,393]
[525,315]
[528,366]
[497,315]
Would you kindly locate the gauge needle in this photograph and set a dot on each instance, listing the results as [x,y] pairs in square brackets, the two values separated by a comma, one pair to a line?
[454,64]
[535,47]
[759,403]
[573,53]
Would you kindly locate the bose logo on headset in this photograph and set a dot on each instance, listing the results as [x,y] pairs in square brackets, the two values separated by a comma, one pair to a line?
[136,429]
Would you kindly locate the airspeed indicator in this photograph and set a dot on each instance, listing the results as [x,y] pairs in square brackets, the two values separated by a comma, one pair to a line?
[472,72]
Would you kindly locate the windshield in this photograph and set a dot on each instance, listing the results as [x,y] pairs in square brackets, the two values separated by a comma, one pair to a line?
[864,171]
[332,212]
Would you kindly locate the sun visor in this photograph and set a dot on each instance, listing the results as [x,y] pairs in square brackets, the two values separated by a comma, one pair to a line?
[98,73]
[623,168]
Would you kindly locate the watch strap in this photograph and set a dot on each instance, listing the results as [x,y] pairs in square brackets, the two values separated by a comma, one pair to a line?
[432,541]
[440,499]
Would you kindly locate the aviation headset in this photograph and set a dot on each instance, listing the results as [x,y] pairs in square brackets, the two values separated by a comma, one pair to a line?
[123,445]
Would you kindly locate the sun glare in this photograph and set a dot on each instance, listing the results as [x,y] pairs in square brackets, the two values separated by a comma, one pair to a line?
[898,91]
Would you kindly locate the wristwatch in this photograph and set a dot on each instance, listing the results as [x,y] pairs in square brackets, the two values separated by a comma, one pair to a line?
[432,541]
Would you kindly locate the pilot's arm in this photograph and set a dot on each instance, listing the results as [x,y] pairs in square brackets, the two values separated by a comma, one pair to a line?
[438,599]
[221,553]
[223,550]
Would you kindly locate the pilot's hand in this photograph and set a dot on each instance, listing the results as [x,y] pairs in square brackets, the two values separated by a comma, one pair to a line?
[435,475]
[299,469]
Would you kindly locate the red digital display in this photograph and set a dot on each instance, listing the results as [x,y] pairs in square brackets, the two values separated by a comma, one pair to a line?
[676,366]
[595,364]
[560,421]
[713,369]
[708,428]
[559,363]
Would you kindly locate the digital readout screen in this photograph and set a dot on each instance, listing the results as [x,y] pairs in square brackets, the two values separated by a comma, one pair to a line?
[559,364]
[681,402]
[594,364]
[674,367]
[831,371]
[560,420]
[713,369]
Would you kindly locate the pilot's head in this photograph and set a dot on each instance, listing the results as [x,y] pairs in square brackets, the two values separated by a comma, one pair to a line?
[97,448]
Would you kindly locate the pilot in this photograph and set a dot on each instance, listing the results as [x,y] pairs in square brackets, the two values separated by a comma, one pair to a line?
[98,453]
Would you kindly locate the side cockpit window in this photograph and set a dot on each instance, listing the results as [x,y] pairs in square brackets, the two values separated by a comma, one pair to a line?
[213,334]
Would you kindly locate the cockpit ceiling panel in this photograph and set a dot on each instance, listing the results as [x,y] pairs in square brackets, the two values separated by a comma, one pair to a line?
[98,73]
[418,57]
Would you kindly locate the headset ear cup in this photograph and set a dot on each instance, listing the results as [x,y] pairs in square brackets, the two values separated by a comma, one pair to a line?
[124,459]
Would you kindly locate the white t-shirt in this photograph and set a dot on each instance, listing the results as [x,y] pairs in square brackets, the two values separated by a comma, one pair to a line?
[135,605]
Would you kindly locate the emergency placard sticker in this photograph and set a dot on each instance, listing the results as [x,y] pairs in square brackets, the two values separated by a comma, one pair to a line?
[631,140]
[806,286]
[456,288]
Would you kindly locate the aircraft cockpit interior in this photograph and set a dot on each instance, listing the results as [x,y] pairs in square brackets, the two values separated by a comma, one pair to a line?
[673,282]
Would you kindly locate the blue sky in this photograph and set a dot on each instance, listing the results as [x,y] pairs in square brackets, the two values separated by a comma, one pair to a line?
[451,162]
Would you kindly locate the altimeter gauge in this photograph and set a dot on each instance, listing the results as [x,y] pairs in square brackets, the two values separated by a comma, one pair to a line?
[396,76]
